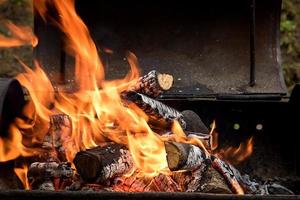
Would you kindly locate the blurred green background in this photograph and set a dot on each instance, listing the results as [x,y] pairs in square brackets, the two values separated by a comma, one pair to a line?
[20,12]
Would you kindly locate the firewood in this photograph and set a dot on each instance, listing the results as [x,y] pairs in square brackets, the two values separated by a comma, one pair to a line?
[213,182]
[41,174]
[153,84]
[194,122]
[100,164]
[160,115]
[249,186]
[182,156]
[226,171]
[135,183]
[58,135]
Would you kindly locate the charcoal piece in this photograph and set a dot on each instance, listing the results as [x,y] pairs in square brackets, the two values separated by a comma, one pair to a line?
[276,189]
[181,156]
[40,174]
[194,122]
[100,164]
[153,84]
[160,115]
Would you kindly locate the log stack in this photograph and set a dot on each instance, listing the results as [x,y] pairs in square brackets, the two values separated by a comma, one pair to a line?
[110,166]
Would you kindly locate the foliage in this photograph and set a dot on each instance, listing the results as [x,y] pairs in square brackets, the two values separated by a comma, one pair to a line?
[290,41]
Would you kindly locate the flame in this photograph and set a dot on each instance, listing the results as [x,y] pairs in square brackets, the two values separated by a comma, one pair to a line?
[22,175]
[235,155]
[96,110]
[21,35]
[95,107]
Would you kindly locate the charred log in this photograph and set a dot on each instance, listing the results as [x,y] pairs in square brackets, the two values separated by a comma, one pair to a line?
[160,115]
[57,137]
[194,122]
[226,171]
[100,164]
[45,176]
[182,156]
[153,84]
[213,182]
[135,183]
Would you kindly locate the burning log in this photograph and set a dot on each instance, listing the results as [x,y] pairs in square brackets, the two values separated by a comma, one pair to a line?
[45,175]
[160,115]
[153,84]
[182,156]
[159,183]
[57,136]
[213,182]
[101,164]
[226,171]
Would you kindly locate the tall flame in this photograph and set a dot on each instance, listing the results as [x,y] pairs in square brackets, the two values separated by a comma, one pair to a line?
[96,110]
[20,35]
[22,175]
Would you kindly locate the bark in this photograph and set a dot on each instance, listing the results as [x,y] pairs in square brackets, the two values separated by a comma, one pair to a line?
[100,164]
[153,84]
[182,156]
[226,171]
[160,115]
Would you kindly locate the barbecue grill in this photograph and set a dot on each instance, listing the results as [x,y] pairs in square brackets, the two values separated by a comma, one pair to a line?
[225,58]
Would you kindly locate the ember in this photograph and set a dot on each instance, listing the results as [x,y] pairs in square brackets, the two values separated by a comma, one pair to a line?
[113,135]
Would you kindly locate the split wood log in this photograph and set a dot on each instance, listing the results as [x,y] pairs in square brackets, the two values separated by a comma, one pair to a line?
[213,182]
[100,164]
[44,175]
[226,171]
[153,84]
[160,115]
[181,156]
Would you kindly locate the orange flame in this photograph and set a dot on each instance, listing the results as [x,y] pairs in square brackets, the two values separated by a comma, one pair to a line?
[235,155]
[21,35]
[22,175]
[96,109]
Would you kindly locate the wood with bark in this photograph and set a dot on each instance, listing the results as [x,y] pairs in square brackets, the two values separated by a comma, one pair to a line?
[226,171]
[160,115]
[194,123]
[213,182]
[181,156]
[249,186]
[100,164]
[153,84]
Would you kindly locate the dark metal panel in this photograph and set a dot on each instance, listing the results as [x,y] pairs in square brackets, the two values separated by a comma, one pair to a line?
[205,46]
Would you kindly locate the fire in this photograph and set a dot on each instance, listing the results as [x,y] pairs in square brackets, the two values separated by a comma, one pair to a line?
[22,175]
[96,109]
[235,155]
[21,35]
